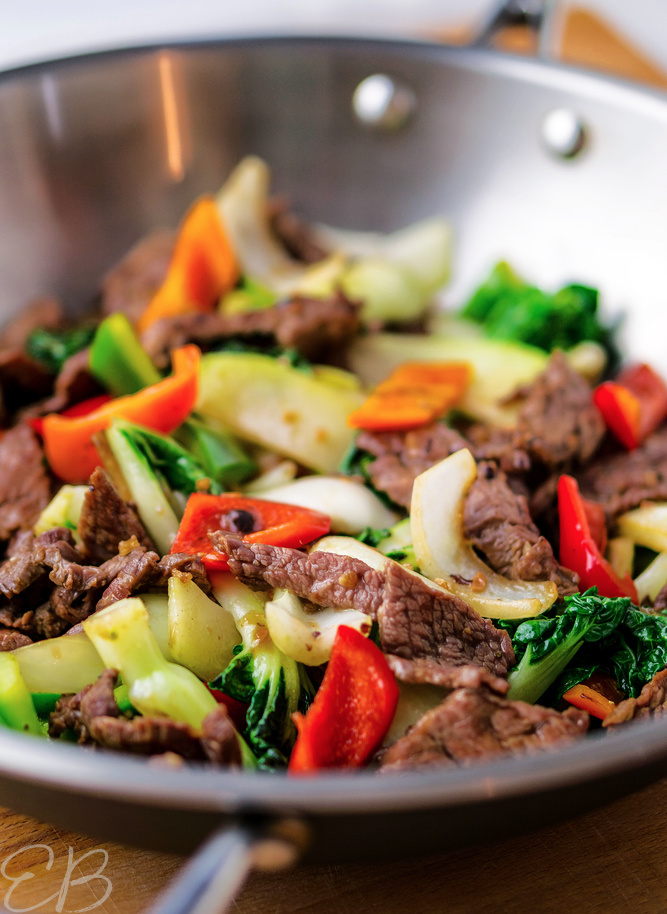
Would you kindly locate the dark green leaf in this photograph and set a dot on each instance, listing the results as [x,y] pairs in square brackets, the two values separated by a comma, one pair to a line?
[53,347]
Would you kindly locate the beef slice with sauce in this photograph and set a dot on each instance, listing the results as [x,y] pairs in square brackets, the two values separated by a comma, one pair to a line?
[129,286]
[474,725]
[107,520]
[437,638]
[315,327]
[95,718]
[428,635]
[622,480]
[25,487]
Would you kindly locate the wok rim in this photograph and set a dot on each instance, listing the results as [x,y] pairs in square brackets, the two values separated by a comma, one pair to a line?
[93,773]
[200,788]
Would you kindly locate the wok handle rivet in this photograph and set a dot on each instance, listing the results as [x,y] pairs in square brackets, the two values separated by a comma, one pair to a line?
[383,103]
[563,133]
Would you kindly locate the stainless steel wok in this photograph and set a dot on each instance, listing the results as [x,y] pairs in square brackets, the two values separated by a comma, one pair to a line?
[97,150]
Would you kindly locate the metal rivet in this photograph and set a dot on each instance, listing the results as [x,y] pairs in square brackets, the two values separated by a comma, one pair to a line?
[381,102]
[563,133]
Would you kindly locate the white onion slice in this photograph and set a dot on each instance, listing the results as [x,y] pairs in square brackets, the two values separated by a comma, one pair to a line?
[441,550]
[308,637]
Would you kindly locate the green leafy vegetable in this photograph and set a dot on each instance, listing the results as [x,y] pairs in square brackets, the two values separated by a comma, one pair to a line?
[609,635]
[53,347]
[218,452]
[274,685]
[264,344]
[160,475]
[511,309]
[178,467]
[394,542]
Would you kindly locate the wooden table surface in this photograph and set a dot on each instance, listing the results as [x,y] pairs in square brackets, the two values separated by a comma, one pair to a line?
[611,860]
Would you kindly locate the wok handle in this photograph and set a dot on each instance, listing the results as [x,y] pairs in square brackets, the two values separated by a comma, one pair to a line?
[210,880]
[537,15]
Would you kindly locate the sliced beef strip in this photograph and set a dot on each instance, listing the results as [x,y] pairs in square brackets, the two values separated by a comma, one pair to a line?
[438,638]
[496,517]
[219,739]
[500,526]
[107,520]
[313,326]
[82,589]
[10,639]
[472,725]
[67,716]
[146,736]
[127,575]
[430,637]
[22,381]
[402,456]
[25,488]
[295,235]
[660,602]
[98,699]
[620,481]
[182,563]
[651,700]
[95,717]
[321,577]
[559,425]
[31,559]
[129,286]
[73,384]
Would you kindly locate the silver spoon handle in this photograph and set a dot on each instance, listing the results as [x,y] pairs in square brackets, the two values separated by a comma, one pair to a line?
[210,880]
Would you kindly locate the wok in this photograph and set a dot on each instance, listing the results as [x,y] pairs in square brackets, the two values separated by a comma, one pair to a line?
[97,150]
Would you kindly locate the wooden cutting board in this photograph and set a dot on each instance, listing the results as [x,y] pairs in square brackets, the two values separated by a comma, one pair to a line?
[610,861]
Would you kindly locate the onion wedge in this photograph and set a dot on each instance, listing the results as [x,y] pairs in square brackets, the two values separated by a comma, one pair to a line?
[308,637]
[436,518]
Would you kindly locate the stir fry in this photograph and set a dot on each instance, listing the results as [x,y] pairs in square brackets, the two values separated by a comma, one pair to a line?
[265,506]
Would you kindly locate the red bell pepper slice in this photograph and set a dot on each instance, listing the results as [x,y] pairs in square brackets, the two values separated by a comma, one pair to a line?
[578,550]
[79,409]
[68,441]
[269,522]
[597,523]
[598,695]
[352,711]
[634,405]
[236,709]
[203,267]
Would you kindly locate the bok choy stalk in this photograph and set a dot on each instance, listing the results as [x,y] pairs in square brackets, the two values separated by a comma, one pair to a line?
[606,634]
[52,347]
[264,400]
[274,685]
[160,475]
[122,636]
[64,510]
[394,542]
[16,706]
[218,451]
[201,634]
[57,665]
